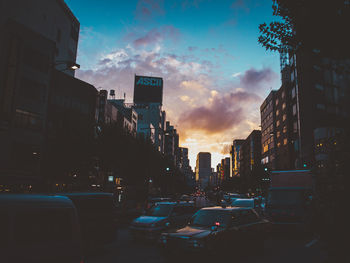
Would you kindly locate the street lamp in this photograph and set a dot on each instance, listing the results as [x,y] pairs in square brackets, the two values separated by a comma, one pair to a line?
[69,64]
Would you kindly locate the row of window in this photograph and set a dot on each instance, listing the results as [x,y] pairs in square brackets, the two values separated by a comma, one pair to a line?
[266,119]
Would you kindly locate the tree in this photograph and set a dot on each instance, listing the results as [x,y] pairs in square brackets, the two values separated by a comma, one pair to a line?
[308,24]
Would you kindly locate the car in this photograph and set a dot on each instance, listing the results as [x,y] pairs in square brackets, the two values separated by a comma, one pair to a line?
[215,230]
[248,202]
[39,228]
[96,213]
[243,203]
[160,217]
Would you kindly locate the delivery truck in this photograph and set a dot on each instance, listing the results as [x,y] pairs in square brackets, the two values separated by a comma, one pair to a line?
[289,198]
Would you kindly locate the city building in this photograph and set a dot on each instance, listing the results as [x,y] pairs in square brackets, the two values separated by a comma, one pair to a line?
[250,168]
[235,156]
[268,131]
[70,129]
[171,144]
[151,115]
[53,20]
[203,169]
[185,168]
[127,116]
[24,91]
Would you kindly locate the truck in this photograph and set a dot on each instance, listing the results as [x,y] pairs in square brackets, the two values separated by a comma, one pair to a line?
[289,198]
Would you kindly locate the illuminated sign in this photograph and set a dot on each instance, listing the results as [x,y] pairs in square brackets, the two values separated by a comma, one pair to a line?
[148,90]
[150,81]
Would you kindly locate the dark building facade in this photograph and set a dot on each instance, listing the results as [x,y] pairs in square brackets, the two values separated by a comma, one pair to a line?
[250,160]
[203,169]
[25,73]
[268,130]
[70,125]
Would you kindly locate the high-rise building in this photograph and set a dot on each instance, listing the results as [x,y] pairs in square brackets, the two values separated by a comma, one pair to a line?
[235,156]
[250,168]
[203,169]
[268,131]
[53,20]
[184,166]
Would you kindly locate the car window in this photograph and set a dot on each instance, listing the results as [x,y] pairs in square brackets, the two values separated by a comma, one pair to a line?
[160,210]
[208,218]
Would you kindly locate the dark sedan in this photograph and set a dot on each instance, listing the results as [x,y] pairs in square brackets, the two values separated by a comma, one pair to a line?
[161,217]
[218,229]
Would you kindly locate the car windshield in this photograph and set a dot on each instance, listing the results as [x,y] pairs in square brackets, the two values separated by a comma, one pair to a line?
[208,218]
[160,210]
[243,203]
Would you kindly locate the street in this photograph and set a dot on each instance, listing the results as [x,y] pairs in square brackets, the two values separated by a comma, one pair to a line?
[278,248]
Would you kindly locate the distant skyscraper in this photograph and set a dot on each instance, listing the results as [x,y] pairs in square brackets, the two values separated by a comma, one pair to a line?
[203,169]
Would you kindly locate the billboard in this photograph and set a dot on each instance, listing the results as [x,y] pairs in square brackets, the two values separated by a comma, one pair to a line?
[148,89]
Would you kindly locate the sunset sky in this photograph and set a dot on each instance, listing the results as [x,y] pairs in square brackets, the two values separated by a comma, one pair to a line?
[216,75]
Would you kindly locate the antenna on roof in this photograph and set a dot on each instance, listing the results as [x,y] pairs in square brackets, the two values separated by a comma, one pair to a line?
[124,95]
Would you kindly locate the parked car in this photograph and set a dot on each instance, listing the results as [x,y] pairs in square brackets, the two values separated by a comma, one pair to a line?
[96,217]
[250,203]
[160,217]
[215,230]
[38,229]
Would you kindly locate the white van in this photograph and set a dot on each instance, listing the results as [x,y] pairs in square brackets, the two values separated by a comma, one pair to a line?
[39,228]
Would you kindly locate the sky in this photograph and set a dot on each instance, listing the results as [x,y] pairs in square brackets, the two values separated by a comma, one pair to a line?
[215,73]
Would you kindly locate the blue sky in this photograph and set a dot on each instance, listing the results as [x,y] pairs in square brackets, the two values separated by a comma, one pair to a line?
[216,74]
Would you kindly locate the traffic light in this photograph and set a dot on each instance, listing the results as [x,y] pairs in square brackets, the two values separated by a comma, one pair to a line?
[265,169]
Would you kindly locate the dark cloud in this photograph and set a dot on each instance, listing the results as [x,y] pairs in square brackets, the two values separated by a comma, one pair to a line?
[220,115]
[148,9]
[254,79]
[157,35]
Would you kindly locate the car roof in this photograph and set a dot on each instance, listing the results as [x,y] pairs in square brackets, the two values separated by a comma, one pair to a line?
[176,203]
[244,200]
[34,200]
[227,208]
[87,194]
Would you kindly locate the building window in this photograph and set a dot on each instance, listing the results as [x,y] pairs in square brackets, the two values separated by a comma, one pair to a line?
[283,106]
[277,123]
[294,109]
[284,117]
[276,102]
[284,129]
[295,127]
[285,141]
[277,112]
[278,144]
[293,93]
[319,87]
[320,106]
[278,134]
[283,94]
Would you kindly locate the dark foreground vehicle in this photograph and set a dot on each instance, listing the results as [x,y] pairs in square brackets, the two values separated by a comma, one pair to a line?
[160,217]
[39,229]
[96,217]
[215,230]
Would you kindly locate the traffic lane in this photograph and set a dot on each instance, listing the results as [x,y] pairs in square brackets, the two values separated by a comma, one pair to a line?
[277,248]
[125,249]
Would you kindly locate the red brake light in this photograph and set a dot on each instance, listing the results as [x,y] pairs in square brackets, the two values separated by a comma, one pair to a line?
[217,223]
